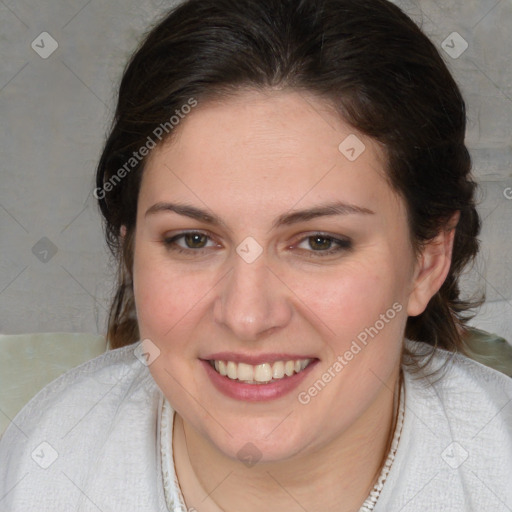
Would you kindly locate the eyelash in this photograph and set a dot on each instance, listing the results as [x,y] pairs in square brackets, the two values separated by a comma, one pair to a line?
[343,244]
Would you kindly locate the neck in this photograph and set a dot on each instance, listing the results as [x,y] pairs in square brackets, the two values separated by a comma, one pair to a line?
[338,476]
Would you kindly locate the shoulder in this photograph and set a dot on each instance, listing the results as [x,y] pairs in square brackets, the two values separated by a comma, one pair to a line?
[455,452]
[471,400]
[455,379]
[74,428]
[107,376]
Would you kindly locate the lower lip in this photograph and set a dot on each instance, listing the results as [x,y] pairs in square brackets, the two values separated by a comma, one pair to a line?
[255,392]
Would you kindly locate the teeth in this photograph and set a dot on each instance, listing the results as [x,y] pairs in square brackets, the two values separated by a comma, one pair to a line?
[260,373]
[278,370]
[289,368]
[263,373]
[245,372]
[232,370]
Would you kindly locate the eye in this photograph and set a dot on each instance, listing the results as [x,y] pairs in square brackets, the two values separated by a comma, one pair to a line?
[321,245]
[190,241]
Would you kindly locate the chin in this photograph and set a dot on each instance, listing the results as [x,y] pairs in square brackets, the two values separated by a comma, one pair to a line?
[261,443]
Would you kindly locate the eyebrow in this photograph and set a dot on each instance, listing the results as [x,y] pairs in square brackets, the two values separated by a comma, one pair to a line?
[293,217]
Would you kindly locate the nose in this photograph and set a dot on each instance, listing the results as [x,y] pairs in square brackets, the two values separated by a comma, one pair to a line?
[252,301]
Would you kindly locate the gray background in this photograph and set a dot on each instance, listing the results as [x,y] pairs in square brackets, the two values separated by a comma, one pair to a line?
[55,272]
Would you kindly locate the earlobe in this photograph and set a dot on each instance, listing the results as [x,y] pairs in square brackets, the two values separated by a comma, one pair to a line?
[122,231]
[432,268]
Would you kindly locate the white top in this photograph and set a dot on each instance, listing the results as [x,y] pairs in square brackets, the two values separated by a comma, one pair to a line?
[89,441]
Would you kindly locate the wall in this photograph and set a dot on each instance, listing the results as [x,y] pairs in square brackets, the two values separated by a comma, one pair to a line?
[55,273]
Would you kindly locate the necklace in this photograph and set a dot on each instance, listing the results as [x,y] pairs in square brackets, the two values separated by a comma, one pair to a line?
[371,501]
[174,498]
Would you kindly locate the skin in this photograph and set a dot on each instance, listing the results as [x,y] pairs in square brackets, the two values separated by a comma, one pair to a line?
[248,160]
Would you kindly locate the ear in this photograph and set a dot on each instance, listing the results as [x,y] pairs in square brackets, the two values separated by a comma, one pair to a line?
[432,267]
[122,231]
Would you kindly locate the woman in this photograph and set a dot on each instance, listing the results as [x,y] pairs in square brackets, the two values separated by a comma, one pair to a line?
[289,196]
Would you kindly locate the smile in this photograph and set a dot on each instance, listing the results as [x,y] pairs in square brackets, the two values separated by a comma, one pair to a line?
[261,373]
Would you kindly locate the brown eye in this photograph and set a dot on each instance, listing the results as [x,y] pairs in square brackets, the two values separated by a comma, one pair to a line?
[190,241]
[324,245]
[320,243]
[195,240]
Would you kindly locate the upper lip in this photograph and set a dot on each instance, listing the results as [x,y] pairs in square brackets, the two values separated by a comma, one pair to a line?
[254,359]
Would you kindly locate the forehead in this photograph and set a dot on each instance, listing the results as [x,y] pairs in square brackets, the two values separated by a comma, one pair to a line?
[266,148]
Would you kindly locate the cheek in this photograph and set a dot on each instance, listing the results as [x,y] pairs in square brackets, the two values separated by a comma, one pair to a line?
[166,299]
[168,305]
[350,299]
[361,313]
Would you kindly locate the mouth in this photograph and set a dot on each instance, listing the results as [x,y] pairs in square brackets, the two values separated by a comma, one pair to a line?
[264,373]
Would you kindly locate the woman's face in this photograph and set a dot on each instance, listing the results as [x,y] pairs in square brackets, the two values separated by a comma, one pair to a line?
[297,249]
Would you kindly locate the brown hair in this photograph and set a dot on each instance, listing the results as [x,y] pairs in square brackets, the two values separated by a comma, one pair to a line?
[365,57]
